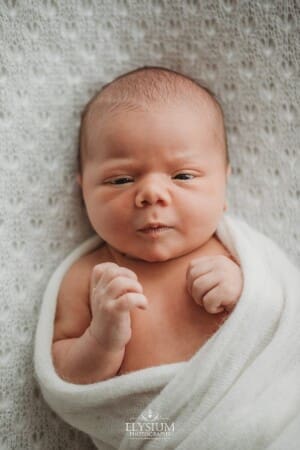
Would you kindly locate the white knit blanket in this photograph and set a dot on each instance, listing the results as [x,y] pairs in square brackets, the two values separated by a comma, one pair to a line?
[241,390]
[54,55]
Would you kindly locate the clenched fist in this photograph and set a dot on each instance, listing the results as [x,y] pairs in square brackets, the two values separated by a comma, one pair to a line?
[114,292]
[214,282]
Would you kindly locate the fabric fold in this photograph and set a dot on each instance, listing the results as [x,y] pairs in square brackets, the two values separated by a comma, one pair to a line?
[240,390]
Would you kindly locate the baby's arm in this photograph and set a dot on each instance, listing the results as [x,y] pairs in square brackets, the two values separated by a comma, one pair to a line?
[215,282]
[80,354]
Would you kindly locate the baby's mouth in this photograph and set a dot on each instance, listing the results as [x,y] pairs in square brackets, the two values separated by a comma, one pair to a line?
[154,228]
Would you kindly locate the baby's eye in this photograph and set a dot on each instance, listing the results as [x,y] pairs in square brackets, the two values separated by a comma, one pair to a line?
[121,180]
[184,176]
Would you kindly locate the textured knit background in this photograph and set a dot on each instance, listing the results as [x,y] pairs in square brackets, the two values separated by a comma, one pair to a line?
[54,55]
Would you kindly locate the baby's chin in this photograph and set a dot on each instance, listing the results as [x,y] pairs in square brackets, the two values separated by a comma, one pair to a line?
[154,257]
[153,254]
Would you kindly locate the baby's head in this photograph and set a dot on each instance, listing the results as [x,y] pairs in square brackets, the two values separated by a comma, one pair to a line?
[153,164]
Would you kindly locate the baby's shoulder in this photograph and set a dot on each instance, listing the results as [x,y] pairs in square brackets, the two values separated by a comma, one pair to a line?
[97,256]
[77,277]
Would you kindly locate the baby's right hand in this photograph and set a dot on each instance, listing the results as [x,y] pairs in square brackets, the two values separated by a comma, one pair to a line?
[114,292]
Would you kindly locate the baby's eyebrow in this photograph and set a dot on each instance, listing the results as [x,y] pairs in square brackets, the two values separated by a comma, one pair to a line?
[117,153]
[184,157]
[115,163]
[118,158]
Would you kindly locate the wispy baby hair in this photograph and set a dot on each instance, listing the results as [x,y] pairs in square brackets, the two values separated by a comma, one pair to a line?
[141,88]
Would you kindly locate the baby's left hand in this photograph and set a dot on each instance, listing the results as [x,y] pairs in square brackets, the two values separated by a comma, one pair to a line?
[214,282]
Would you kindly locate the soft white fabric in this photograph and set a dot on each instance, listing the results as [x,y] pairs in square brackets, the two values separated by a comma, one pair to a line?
[55,54]
[241,390]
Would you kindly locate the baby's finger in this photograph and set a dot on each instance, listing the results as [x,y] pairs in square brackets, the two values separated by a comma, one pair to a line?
[115,273]
[105,272]
[212,301]
[98,272]
[129,301]
[118,286]
[205,262]
[202,285]
[196,268]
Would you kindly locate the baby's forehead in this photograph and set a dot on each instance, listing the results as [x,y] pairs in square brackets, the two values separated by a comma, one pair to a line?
[148,87]
[125,129]
[111,108]
[146,90]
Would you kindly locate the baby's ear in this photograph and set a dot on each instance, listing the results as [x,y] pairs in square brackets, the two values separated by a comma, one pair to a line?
[79,179]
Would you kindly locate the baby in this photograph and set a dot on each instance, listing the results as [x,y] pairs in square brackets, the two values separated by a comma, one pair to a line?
[153,172]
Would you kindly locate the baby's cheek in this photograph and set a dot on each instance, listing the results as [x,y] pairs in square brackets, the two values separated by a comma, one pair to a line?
[113,222]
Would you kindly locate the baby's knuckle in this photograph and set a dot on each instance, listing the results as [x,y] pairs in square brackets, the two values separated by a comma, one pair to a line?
[210,306]
[197,284]
[196,264]
[193,272]
[220,261]
[121,284]
[229,291]
[132,285]
[207,305]
[113,272]
[130,273]
[100,268]
[112,287]
[197,293]
[97,292]
[123,302]
[96,272]
[193,262]
[121,277]
[107,307]
[207,299]
[220,275]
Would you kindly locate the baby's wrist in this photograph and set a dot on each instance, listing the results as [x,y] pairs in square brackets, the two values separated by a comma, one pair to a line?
[102,346]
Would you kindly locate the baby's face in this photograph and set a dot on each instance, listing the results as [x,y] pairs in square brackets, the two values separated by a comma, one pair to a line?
[154,182]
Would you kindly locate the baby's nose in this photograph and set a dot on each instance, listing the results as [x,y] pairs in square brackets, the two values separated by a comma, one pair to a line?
[152,191]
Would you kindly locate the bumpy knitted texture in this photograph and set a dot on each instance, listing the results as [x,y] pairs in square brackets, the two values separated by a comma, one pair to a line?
[53,56]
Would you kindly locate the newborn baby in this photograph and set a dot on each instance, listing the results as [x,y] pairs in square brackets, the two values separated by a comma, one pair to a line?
[153,172]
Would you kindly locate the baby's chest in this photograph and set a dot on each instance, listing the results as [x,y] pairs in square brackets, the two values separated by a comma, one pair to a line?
[171,330]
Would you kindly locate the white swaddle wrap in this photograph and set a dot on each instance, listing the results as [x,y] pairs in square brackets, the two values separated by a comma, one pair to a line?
[241,390]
